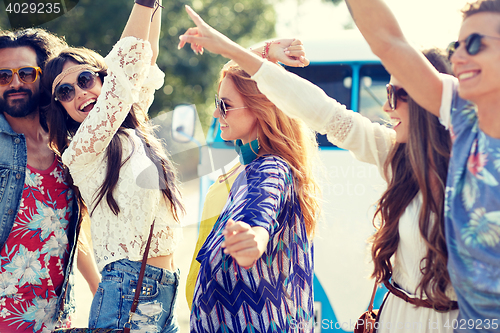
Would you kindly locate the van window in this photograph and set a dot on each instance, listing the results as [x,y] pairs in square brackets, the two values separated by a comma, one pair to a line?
[335,80]
[372,96]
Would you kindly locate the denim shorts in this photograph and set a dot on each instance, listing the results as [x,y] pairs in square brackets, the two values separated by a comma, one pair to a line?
[113,299]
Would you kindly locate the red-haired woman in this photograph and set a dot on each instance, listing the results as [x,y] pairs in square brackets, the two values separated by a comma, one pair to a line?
[409,245]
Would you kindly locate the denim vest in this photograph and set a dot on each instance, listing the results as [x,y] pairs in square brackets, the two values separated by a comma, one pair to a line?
[13,161]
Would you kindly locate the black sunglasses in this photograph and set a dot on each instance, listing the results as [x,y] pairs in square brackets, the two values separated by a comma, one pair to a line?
[26,74]
[393,94]
[472,44]
[221,107]
[66,92]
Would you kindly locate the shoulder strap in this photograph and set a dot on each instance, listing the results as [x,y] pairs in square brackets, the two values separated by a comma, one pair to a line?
[370,307]
[139,281]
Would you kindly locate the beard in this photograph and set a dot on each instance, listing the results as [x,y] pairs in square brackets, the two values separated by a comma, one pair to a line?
[20,108]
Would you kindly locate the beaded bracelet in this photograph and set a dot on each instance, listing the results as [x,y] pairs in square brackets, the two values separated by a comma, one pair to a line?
[265,51]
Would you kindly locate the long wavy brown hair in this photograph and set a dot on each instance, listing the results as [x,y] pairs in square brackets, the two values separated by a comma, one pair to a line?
[62,128]
[283,136]
[420,165]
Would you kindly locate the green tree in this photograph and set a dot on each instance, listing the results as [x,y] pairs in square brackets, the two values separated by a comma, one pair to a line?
[4,21]
[190,78]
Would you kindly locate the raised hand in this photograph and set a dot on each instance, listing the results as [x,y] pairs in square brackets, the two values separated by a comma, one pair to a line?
[289,52]
[204,36]
[244,243]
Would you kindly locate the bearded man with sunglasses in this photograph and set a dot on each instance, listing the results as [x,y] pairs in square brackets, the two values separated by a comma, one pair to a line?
[39,211]
[469,106]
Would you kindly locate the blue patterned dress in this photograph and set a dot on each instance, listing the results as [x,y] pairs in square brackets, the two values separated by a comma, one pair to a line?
[472,215]
[276,294]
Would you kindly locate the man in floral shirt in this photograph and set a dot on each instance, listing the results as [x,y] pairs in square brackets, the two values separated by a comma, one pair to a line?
[38,209]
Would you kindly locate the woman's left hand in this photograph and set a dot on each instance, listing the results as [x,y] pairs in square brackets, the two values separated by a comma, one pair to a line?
[289,52]
[244,243]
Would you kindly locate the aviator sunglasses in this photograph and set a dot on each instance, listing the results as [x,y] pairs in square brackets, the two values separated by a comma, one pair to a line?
[26,74]
[393,94]
[472,44]
[221,106]
[66,92]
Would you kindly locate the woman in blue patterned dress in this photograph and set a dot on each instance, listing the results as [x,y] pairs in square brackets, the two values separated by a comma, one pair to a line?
[256,273]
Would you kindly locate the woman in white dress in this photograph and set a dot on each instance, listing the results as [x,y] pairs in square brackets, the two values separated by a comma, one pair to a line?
[409,248]
[121,171]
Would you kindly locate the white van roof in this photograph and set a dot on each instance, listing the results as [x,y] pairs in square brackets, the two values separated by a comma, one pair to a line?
[345,45]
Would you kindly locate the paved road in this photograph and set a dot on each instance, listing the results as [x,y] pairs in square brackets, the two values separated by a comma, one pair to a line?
[183,255]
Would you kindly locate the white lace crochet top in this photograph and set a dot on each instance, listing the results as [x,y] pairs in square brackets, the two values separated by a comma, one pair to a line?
[368,142]
[131,80]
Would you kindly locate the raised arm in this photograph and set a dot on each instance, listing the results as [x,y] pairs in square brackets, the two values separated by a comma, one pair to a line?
[155,77]
[204,36]
[129,65]
[154,32]
[382,32]
[139,21]
[140,24]
[297,97]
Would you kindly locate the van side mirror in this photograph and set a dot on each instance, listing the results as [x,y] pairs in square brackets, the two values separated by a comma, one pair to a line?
[183,122]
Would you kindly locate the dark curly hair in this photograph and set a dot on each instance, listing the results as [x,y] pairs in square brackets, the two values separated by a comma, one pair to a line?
[44,43]
[481,6]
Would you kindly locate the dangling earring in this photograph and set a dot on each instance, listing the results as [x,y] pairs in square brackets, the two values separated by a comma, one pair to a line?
[258,142]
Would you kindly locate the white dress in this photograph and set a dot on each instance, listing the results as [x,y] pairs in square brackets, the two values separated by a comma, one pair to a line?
[369,142]
[131,80]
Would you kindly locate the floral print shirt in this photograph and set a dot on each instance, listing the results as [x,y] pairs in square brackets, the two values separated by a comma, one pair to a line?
[472,213]
[34,258]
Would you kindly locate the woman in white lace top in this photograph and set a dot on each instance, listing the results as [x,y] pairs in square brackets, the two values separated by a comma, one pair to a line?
[121,170]
[409,245]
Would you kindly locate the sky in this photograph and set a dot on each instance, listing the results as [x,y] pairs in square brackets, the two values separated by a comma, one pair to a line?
[425,23]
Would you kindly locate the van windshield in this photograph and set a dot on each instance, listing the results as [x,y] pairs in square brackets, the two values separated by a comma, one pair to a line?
[336,80]
[372,92]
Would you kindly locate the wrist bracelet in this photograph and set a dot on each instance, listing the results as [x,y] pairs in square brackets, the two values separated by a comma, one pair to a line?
[146,3]
[248,267]
[265,51]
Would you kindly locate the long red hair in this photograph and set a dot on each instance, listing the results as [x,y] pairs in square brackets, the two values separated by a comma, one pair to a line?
[283,136]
